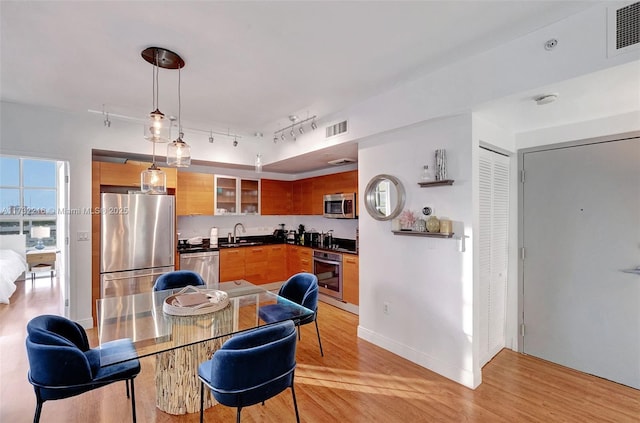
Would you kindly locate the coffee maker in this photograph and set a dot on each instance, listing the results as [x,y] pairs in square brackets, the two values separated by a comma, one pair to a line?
[279,234]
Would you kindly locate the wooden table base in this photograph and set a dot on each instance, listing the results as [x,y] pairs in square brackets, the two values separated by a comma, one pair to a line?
[177,383]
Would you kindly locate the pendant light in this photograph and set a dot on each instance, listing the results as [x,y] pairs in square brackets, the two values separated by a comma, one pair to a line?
[258,163]
[179,152]
[153,180]
[156,127]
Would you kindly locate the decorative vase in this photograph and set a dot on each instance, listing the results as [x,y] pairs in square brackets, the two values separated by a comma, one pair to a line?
[420,225]
[433,224]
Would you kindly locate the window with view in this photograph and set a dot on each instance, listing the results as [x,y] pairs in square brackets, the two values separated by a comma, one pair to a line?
[28,197]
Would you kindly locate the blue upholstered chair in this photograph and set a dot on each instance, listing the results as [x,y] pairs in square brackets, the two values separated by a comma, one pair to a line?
[301,288]
[62,365]
[177,279]
[252,367]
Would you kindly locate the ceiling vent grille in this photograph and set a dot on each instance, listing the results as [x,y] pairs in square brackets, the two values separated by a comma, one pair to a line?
[343,161]
[624,29]
[337,129]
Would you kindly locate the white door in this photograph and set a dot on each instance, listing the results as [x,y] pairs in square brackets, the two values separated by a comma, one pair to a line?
[493,253]
[581,231]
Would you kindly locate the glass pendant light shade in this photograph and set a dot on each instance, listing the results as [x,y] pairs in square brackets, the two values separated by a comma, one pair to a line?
[258,163]
[157,126]
[153,181]
[179,153]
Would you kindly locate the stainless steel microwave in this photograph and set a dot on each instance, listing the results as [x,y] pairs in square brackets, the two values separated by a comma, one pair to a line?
[340,206]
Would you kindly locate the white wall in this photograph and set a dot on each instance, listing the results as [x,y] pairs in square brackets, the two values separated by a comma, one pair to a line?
[428,282]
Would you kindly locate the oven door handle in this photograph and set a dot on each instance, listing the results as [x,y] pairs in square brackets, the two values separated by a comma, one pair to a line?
[335,263]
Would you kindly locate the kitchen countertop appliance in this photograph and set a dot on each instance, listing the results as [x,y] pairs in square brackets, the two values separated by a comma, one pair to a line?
[137,241]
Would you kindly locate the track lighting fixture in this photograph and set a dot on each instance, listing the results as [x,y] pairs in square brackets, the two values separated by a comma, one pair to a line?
[275,138]
[291,128]
[211,137]
[235,142]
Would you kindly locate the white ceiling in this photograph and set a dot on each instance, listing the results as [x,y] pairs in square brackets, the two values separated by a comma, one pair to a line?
[248,64]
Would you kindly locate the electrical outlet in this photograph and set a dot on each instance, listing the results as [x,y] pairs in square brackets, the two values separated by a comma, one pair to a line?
[83,236]
[386,308]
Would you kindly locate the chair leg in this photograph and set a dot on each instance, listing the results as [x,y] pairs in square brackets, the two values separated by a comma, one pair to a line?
[201,401]
[295,403]
[298,328]
[133,401]
[238,415]
[36,417]
[319,341]
[126,382]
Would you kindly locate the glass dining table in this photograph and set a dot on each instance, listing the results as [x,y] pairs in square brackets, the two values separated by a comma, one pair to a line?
[181,343]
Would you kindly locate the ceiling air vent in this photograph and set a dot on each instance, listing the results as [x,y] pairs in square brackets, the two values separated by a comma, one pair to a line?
[623,29]
[337,129]
[343,161]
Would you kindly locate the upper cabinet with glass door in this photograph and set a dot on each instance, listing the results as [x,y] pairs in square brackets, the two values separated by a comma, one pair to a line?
[236,195]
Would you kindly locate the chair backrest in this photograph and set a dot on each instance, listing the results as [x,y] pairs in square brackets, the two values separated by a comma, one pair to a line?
[177,279]
[301,288]
[60,326]
[58,352]
[258,363]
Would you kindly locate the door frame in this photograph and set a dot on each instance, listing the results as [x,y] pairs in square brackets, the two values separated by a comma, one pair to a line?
[521,153]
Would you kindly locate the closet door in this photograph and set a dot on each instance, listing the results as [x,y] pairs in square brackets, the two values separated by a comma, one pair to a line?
[493,253]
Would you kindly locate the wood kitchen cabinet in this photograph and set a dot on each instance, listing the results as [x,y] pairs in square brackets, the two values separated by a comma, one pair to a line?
[256,263]
[232,264]
[128,174]
[259,264]
[303,196]
[299,259]
[194,194]
[236,195]
[350,278]
[277,263]
[276,197]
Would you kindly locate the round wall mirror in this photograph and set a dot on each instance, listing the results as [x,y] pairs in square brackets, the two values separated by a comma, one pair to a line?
[384,197]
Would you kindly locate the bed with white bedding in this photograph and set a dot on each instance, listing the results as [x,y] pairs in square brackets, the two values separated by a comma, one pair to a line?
[13,263]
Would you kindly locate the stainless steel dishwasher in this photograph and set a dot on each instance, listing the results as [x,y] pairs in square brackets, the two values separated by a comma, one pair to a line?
[206,263]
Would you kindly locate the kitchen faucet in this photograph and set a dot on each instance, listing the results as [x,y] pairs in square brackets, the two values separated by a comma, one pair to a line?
[235,229]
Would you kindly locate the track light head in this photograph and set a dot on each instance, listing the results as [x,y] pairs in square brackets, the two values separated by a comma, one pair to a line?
[301,130]
[235,142]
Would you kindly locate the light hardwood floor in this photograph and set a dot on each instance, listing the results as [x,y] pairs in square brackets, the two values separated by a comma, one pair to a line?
[354,382]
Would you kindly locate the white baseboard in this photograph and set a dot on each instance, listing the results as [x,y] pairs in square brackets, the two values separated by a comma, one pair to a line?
[464,377]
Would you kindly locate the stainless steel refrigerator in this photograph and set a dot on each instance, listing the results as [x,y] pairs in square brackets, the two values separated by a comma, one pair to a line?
[137,241]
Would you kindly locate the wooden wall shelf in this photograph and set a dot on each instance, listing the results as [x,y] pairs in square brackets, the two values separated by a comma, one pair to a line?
[427,234]
[436,183]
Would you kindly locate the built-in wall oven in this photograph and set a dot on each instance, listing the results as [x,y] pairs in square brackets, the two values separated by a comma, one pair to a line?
[328,269]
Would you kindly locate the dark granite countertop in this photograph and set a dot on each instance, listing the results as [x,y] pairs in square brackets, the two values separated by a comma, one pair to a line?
[340,245]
